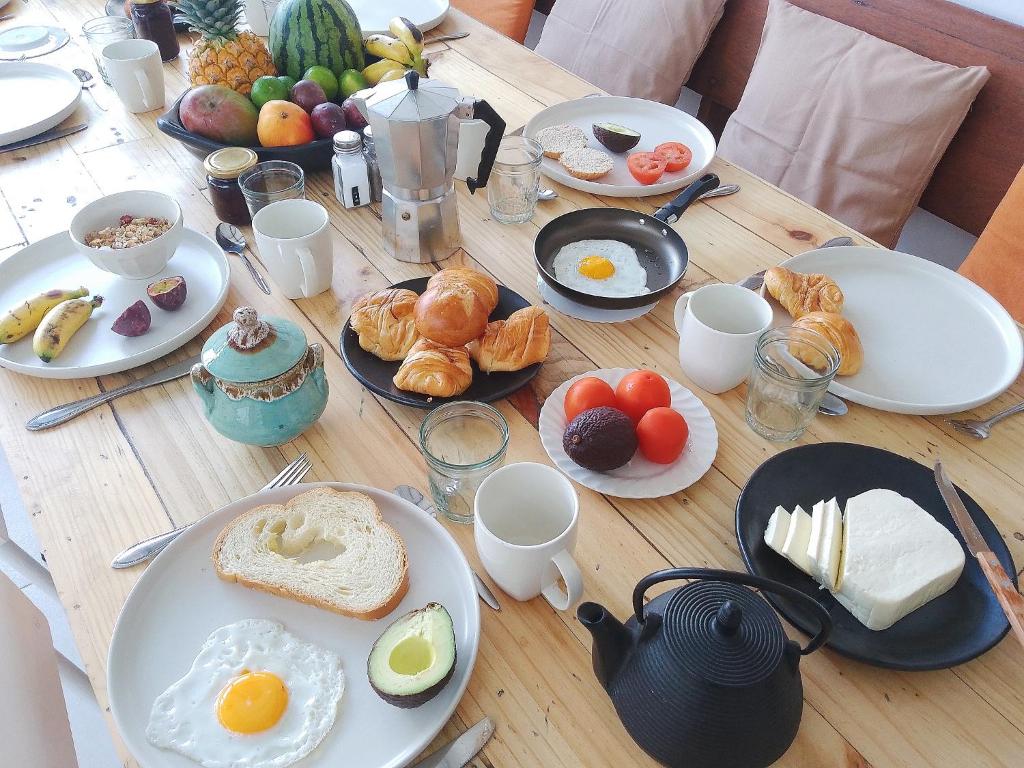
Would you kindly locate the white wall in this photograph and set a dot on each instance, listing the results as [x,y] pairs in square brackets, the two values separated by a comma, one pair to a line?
[1011,10]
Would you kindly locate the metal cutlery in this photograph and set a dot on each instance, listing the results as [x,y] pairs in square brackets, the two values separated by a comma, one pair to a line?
[1010,600]
[756,280]
[409,493]
[149,548]
[62,413]
[231,239]
[721,191]
[981,428]
[7,16]
[831,405]
[459,751]
[445,38]
[42,138]
[88,82]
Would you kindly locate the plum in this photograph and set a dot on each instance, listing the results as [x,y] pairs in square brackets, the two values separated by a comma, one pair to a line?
[308,94]
[168,292]
[327,120]
[353,117]
[134,321]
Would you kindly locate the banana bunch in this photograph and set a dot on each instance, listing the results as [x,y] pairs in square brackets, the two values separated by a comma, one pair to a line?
[60,324]
[399,52]
[27,316]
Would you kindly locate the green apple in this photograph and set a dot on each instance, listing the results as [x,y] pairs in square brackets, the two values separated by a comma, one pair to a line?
[268,88]
[325,79]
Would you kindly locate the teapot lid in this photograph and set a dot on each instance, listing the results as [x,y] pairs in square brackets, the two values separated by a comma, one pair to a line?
[252,348]
[412,99]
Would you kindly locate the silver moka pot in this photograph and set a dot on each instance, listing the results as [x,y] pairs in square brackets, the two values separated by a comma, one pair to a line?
[416,134]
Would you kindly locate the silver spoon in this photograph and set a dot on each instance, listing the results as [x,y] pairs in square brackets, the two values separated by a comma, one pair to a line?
[546,194]
[231,239]
[88,82]
[833,406]
[981,428]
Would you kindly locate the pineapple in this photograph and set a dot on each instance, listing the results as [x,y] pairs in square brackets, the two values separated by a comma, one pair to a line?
[224,55]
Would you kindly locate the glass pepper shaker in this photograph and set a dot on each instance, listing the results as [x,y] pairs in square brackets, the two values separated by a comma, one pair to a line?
[153,21]
[370,153]
[223,167]
[351,174]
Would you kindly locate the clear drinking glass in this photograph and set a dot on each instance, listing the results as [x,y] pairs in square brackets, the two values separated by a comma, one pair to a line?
[462,442]
[103,30]
[792,370]
[514,181]
[270,181]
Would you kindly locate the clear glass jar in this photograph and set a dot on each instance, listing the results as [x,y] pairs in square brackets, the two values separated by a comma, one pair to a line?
[223,167]
[515,180]
[154,21]
[792,370]
[103,30]
[270,181]
[462,443]
[370,153]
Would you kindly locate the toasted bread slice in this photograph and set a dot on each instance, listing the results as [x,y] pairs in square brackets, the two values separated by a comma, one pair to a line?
[587,163]
[366,578]
[556,139]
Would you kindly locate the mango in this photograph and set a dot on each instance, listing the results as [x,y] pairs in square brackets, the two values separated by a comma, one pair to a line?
[220,114]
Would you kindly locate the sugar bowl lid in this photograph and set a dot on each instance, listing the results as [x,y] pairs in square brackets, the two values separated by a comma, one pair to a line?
[252,348]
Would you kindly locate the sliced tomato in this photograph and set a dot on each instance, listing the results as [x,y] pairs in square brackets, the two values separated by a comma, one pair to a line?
[676,156]
[645,167]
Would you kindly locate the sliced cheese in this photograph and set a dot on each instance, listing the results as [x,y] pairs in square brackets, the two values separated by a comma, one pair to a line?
[895,558]
[830,547]
[795,546]
[778,527]
[814,542]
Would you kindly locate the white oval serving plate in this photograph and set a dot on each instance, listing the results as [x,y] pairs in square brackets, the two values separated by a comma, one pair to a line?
[44,94]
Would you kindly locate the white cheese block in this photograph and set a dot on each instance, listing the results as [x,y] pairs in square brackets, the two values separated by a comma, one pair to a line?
[778,527]
[795,546]
[814,542]
[830,548]
[895,558]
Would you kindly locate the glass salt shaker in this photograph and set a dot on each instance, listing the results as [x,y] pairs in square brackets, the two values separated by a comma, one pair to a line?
[351,174]
[370,153]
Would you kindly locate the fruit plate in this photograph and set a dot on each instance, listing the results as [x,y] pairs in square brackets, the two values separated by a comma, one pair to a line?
[178,601]
[45,96]
[374,15]
[953,628]
[657,123]
[96,350]
[640,478]
[313,156]
[376,374]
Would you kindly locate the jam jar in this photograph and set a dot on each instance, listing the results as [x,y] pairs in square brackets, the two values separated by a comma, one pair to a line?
[223,168]
[153,21]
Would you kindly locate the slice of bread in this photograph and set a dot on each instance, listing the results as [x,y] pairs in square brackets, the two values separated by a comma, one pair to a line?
[587,163]
[365,577]
[556,139]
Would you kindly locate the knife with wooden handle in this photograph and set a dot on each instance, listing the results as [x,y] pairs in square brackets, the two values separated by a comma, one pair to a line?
[1010,600]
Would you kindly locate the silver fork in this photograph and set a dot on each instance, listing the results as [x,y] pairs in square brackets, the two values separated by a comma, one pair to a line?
[150,548]
[981,429]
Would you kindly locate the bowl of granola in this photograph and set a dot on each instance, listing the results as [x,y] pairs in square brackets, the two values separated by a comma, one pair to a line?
[132,234]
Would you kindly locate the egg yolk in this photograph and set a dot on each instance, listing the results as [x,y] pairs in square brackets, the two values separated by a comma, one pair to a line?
[596,268]
[252,702]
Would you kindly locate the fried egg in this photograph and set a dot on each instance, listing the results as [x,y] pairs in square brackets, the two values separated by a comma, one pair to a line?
[256,697]
[600,268]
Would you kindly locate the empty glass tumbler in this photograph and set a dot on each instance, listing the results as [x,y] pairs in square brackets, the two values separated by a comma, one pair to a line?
[792,370]
[103,30]
[270,181]
[514,181]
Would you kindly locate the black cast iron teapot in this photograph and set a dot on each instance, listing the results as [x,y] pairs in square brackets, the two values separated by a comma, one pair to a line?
[704,676]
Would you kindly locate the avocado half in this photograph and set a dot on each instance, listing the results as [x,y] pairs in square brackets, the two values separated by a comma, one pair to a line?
[414,658]
[617,138]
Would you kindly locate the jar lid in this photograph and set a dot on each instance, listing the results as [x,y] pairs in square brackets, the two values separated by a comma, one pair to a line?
[229,162]
[253,348]
[347,140]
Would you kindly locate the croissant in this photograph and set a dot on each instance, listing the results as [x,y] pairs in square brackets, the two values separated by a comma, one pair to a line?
[385,324]
[511,345]
[838,330]
[435,370]
[455,307]
[800,293]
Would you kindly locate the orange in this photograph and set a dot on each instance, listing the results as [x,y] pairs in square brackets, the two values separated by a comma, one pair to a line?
[283,124]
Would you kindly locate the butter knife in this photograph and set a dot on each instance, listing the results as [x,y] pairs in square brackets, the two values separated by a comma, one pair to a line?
[756,280]
[42,138]
[409,493]
[1010,600]
[68,411]
[455,754]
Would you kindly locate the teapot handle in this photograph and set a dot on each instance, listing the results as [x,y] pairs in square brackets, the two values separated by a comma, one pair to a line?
[495,130]
[746,579]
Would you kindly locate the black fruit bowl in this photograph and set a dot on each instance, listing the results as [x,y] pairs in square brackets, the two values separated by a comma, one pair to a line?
[312,157]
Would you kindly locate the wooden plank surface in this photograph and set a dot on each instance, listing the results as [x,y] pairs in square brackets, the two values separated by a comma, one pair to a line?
[150,460]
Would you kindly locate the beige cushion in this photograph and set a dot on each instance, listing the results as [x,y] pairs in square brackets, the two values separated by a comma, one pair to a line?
[643,48]
[847,122]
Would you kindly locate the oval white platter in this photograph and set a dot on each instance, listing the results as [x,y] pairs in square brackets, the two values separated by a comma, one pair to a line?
[640,478]
[179,600]
[934,342]
[44,94]
[657,123]
[96,350]
[374,15]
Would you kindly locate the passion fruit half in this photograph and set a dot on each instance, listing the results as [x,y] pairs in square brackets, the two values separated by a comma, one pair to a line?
[134,321]
[168,293]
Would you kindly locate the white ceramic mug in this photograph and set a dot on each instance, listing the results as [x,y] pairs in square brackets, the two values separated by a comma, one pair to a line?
[471,146]
[136,73]
[294,238]
[718,327]
[525,522]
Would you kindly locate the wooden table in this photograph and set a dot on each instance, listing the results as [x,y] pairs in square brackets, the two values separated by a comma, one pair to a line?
[150,461]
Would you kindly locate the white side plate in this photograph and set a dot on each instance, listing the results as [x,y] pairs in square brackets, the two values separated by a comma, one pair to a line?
[374,15]
[44,96]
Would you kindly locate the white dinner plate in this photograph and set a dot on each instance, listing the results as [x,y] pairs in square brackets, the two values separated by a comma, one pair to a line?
[45,95]
[640,478]
[656,123]
[934,342]
[374,15]
[96,350]
[179,601]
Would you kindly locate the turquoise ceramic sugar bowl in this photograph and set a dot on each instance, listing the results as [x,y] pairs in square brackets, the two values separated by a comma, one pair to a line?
[259,380]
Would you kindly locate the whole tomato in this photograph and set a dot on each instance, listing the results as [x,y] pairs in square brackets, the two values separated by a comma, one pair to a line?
[662,434]
[587,393]
[640,391]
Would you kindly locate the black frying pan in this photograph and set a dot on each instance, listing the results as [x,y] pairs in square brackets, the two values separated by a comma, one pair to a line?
[660,249]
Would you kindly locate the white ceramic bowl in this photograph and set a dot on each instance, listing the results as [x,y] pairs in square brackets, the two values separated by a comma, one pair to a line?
[138,261]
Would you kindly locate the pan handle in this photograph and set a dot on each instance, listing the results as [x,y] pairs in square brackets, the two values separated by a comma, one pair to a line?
[671,211]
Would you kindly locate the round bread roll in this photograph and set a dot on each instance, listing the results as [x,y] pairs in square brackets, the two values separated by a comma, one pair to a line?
[456,306]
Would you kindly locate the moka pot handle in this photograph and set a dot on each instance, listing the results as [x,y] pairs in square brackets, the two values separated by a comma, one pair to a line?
[495,130]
